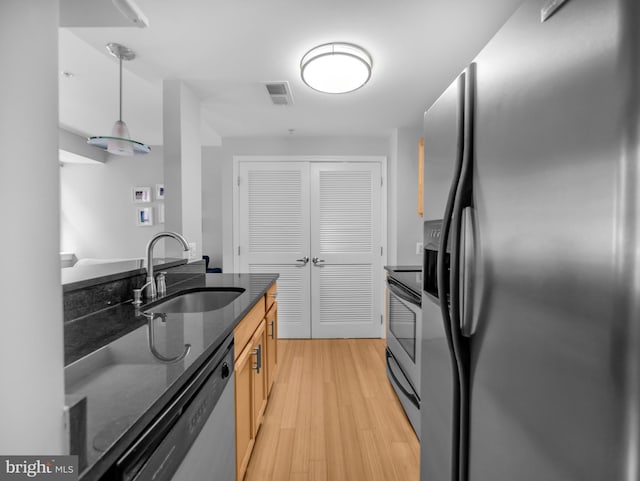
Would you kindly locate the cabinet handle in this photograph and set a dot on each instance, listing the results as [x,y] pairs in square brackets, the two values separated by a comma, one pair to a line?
[258,353]
[273,329]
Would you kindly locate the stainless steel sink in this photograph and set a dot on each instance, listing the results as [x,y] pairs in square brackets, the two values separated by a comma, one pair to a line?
[196,300]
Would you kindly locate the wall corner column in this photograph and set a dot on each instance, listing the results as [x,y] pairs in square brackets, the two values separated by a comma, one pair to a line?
[182,165]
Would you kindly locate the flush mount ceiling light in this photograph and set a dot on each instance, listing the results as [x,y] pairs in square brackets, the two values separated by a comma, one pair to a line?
[336,67]
[119,143]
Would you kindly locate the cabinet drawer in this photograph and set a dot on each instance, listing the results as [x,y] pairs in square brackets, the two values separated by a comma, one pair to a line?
[244,330]
[271,295]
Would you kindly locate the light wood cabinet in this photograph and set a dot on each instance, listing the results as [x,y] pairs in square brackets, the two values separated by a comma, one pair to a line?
[244,410]
[256,361]
[272,344]
[259,367]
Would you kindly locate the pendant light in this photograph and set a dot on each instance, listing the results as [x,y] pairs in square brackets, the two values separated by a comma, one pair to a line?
[119,142]
[336,67]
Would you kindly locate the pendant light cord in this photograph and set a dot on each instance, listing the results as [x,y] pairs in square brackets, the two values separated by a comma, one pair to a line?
[120,56]
[119,142]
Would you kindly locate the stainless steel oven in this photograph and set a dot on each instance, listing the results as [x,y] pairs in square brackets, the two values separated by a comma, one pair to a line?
[404,332]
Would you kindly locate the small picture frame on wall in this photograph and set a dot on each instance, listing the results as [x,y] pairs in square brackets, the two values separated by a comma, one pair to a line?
[144,216]
[160,191]
[141,195]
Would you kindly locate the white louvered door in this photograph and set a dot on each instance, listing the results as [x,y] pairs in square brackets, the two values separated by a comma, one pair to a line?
[274,233]
[345,249]
[328,211]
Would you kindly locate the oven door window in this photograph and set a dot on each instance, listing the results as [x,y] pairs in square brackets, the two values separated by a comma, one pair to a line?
[402,324]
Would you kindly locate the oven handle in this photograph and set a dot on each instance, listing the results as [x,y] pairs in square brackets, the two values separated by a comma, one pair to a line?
[412,397]
[402,293]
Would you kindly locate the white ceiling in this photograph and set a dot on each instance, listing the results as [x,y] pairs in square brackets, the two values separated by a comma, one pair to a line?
[226,50]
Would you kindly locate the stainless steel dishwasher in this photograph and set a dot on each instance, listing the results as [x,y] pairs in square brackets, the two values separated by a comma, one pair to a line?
[193,439]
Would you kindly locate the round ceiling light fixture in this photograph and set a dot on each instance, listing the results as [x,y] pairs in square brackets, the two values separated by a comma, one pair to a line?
[336,68]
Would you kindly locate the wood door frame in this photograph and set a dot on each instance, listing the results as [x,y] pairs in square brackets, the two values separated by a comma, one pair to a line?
[381,159]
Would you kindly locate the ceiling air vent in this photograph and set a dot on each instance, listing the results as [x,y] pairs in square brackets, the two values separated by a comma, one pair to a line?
[280,93]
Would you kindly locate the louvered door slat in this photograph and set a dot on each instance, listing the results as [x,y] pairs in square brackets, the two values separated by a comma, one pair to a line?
[345,212]
[275,211]
[346,296]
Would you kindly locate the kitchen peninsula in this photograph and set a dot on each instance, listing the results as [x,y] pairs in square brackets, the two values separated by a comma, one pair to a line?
[123,386]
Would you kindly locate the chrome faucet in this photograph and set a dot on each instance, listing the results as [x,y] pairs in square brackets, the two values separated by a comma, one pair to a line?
[150,284]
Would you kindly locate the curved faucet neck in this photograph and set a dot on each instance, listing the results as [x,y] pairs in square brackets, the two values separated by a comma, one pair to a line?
[151,290]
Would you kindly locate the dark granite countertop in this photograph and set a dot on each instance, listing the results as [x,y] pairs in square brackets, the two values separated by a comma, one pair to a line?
[125,385]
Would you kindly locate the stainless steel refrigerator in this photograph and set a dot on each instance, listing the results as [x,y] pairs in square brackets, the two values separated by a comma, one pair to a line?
[531,302]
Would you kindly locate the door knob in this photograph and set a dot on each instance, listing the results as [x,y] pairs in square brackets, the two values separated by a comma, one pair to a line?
[317,260]
[304,261]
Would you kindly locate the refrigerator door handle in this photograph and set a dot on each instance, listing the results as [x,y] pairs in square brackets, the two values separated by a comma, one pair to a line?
[462,199]
[447,284]
[468,272]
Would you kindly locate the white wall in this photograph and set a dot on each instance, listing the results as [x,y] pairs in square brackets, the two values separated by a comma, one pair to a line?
[392,200]
[97,209]
[31,344]
[217,186]
[212,219]
[76,144]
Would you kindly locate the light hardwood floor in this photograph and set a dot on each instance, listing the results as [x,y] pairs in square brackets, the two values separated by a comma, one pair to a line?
[332,416]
